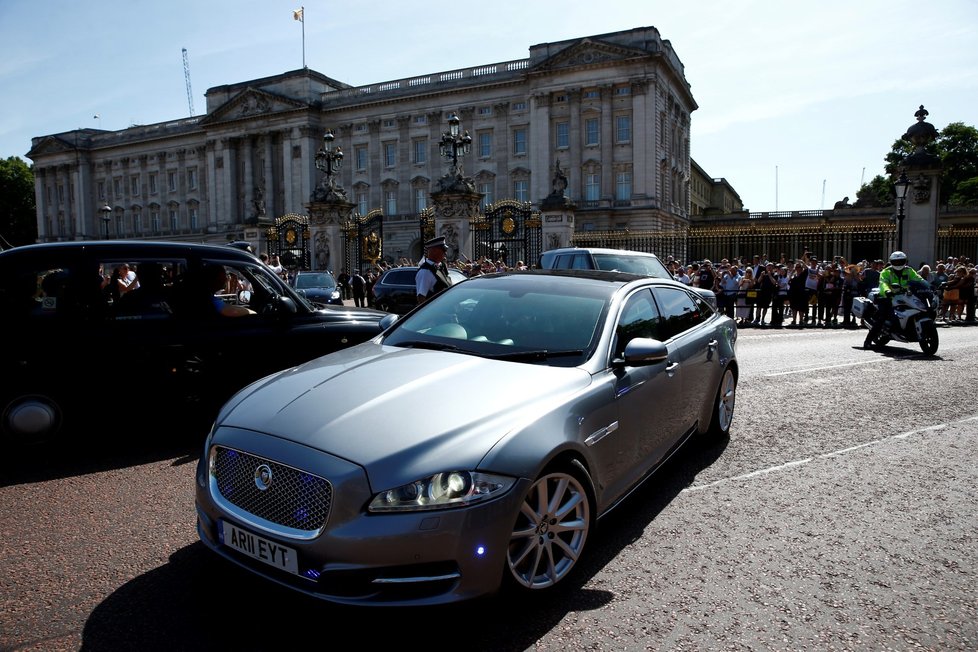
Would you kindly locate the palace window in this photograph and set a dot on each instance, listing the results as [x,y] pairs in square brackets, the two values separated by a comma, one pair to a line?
[194,223]
[361,201]
[623,186]
[171,181]
[134,185]
[174,220]
[390,202]
[360,157]
[485,144]
[421,150]
[592,187]
[192,178]
[152,184]
[519,142]
[592,131]
[623,129]
[390,155]
[521,190]
[562,136]
[420,199]
[486,190]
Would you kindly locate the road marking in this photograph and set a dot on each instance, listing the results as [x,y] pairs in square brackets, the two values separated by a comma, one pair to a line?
[835,453]
[834,366]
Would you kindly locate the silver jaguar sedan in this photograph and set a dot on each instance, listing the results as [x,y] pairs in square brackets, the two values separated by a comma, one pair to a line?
[473,445]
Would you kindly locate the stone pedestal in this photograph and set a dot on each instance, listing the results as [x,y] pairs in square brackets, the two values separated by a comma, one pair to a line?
[920,211]
[326,219]
[455,204]
[557,215]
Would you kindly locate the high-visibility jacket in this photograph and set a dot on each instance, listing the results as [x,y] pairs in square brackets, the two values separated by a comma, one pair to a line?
[891,279]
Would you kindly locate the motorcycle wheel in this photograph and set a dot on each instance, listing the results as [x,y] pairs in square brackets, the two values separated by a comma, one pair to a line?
[928,340]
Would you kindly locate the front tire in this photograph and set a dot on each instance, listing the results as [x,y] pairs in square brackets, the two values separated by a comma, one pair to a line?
[723,406]
[928,338]
[551,530]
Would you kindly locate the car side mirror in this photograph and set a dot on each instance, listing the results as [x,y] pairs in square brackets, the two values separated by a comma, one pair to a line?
[642,351]
[244,297]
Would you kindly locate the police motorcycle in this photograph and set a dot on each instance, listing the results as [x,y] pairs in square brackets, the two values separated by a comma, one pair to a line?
[913,319]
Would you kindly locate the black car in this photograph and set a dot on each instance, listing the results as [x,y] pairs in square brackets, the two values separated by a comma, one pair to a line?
[318,287]
[395,290]
[83,344]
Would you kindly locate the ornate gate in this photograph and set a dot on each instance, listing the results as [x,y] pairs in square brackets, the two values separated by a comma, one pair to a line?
[363,241]
[289,238]
[509,231]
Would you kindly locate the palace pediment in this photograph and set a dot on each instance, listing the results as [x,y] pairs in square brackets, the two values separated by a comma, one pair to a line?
[250,103]
[49,145]
[589,52]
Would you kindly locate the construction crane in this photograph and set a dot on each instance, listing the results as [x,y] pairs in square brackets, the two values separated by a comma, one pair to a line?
[186,75]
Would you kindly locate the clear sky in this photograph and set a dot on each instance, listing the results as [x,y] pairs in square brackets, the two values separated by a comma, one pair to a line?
[799,101]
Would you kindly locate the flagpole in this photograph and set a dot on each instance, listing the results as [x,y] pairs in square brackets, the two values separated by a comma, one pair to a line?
[303,9]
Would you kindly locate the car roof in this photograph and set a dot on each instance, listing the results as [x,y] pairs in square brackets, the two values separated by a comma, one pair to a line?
[600,250]
[133,248]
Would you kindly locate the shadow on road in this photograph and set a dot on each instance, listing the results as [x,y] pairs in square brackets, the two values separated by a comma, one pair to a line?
[199,601]
[102,447]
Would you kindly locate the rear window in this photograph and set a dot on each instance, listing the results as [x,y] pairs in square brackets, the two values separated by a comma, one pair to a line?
[644,265]
[400,277]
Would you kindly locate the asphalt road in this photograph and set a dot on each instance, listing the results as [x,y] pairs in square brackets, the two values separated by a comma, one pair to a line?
[839,515]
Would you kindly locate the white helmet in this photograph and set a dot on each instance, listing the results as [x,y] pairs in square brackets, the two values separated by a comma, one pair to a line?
[898,260]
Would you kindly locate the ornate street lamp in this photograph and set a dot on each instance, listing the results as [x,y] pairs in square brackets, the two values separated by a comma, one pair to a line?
[455,142]
[328,159]
[106,211]
[901,186]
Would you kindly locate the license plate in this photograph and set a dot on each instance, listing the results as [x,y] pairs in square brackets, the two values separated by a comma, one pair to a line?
[260,548]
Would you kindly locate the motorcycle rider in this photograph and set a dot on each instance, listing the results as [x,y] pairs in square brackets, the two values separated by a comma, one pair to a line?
[894,279]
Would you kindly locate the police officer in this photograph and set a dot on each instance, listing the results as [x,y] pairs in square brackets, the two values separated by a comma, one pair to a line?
[895,278]
[432,276]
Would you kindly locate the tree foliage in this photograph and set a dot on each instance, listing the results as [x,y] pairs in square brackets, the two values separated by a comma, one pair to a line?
[18,215]
[957,147]
[877,193]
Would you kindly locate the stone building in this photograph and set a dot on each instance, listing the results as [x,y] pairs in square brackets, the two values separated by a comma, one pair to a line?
[612,110]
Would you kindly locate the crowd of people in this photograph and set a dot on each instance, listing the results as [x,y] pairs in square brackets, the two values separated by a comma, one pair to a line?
[812,293]
[760,292]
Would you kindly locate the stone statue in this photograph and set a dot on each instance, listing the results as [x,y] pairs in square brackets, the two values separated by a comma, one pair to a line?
[560,181]
[322,251]
[451,237]
[259,202]
[842,204]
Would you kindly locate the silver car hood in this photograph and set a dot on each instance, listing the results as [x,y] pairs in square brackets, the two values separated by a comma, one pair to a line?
[402,413]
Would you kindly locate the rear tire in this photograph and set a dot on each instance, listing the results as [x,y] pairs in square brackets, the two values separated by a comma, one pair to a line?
[928,339]
[552,528]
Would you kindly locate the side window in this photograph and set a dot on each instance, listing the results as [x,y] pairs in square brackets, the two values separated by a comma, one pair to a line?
[140,289]
[679,311]
[639,318]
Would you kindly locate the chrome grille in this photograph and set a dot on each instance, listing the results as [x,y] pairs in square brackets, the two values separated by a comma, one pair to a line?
[293,499]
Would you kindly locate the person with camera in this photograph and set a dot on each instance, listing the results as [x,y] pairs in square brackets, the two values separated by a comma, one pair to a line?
[894,279]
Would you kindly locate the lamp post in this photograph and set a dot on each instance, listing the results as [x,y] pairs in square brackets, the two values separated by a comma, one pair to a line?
[901,186]
[455,142]
[329,160]
[106,211]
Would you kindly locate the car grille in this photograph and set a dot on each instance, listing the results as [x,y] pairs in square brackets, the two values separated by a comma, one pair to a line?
[293,498]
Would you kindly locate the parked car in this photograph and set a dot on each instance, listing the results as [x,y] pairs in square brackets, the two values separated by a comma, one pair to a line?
[395,290]
[318,287]
[619,260]
[472,445]
[80,345]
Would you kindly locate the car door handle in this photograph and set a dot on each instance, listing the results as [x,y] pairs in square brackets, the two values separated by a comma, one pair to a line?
[671,369]
[713,344]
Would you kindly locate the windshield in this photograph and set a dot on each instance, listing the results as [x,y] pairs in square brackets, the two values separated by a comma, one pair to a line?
[534,319]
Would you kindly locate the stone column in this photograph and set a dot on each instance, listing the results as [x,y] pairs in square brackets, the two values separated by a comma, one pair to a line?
[456,202]
[557,216]
[921,203]
[326,220]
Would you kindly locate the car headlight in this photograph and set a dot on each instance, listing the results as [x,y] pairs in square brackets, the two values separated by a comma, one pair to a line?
[335,295]
[440,491]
